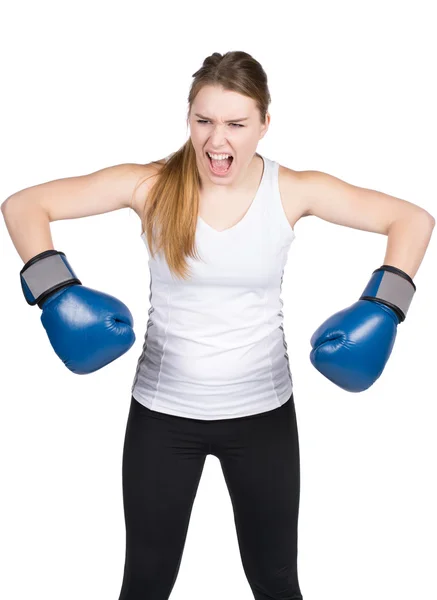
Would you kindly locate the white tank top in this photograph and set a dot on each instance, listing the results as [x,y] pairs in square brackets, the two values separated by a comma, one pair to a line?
[215,345]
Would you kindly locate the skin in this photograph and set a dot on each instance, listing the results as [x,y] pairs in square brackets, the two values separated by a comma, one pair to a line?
[239,139]
[407,225]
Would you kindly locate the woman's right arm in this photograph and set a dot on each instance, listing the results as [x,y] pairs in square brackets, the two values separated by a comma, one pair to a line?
[28,213]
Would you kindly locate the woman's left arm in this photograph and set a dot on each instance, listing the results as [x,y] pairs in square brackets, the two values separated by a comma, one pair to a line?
[352,346]
[408,226]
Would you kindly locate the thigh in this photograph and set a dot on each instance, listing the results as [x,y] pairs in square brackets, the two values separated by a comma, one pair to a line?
[162,466]
[262,474]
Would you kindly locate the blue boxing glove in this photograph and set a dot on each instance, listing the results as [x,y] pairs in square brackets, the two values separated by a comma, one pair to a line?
[86,328]
[352,347]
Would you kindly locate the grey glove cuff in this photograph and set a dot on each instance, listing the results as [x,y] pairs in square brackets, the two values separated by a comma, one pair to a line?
[393,287]
[45,274]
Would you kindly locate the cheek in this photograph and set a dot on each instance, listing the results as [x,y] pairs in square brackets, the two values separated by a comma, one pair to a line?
[198,137]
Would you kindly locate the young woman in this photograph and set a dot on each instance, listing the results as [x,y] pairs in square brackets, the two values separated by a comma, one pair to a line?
[213,376]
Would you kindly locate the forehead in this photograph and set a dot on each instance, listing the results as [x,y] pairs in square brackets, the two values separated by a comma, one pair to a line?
[217,102]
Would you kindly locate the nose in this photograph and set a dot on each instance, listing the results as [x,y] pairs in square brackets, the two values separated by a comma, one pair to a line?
[218,137]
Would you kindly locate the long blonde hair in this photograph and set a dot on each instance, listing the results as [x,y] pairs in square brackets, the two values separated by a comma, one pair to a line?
[171,212]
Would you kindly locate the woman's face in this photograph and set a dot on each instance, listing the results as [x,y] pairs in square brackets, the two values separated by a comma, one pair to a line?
[215,126]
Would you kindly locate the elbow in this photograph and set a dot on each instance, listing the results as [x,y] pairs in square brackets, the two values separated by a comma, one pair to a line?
[3,205]
[12,203]
[419,217]
[430,220]
[6,203]
[426,218]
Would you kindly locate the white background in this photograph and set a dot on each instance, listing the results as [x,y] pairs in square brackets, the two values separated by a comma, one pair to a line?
[87,85]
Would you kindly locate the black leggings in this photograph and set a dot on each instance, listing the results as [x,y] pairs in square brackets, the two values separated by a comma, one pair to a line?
[163,459]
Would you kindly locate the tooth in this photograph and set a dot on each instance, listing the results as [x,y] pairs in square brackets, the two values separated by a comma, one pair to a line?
[220,156]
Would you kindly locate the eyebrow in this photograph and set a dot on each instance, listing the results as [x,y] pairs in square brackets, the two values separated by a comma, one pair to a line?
[231,121]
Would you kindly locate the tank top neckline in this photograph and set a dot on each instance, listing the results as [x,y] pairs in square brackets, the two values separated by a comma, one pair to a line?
[249,210]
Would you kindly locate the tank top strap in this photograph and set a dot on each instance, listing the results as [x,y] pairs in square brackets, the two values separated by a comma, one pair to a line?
[271,201]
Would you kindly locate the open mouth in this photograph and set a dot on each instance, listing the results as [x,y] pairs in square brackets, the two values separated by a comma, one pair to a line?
[220,167]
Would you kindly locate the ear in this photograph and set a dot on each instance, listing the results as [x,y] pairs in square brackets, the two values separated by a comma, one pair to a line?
[265,127]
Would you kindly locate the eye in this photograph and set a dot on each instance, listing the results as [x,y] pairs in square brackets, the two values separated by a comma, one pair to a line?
[235,124]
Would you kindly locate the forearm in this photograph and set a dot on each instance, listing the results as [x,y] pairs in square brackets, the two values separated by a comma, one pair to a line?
[407,242]
[28,226]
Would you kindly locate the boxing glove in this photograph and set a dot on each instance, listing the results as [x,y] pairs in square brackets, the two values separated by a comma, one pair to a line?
[352,347]
[86,328]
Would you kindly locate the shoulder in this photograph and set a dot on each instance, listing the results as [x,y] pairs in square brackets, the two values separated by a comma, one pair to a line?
[292,185]
[146,178]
